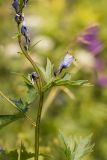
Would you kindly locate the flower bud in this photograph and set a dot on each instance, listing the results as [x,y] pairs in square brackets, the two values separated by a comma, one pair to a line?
[19,18]
[25,33]
[24,3]
[67,60]
[33,77]
[15,5]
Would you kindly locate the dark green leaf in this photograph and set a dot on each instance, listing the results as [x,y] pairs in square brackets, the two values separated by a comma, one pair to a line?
[7,119]
[13,155]
[23,106]
[24,155]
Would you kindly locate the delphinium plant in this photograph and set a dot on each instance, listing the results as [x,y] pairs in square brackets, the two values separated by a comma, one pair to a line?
[39,82]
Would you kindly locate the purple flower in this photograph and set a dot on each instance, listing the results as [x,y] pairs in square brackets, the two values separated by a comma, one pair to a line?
[99,64]
[67,60]
[19,18]
[102,80]
[15,5]
[25,33]
[89,39]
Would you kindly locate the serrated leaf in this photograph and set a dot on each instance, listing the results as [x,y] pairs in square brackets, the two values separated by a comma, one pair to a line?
[7,119]
[76,150]
[83,148]
[24,154]
[67,82]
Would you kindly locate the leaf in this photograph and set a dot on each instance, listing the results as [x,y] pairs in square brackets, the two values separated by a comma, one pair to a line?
[12,155]
[32,93]
[7,119]
[42,71]
[76,150]
[66,82]
[83,148]
[49,71]
[24,155]
[23,106]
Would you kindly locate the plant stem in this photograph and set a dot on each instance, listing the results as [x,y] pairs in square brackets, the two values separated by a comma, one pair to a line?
[37,127]
[39,86]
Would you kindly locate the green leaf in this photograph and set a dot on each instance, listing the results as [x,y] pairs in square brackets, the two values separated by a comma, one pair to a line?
[24,155]
[49,71]
[76,149]
[12,155]
[31,91]
[7,119]
[66,82]
[42,71]
[23,106]
[83,148]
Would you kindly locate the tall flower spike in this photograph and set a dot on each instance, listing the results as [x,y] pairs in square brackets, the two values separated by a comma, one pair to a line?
[15,5]
[67,61]
[25,33]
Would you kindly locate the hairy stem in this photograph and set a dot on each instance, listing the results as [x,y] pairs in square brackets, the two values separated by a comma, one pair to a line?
[37,127]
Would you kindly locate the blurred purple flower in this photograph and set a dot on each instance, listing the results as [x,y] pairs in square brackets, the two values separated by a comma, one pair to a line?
[89,39]
[102,80]
[67,60]
[99,64]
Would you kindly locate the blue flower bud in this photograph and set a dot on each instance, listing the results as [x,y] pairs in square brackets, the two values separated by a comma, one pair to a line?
[33,77]
[15,5]
[19,18]
[24,3]
[67,60]
[25,33]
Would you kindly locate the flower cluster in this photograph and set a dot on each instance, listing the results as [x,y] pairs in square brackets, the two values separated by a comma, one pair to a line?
[18,6]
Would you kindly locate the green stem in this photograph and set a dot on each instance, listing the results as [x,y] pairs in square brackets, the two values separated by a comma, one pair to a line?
[37,127]
[39,85]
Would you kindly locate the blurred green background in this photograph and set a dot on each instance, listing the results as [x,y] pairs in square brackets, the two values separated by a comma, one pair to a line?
[78,111]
